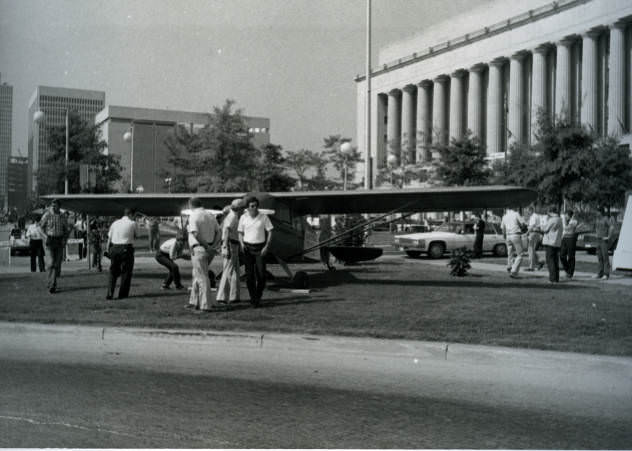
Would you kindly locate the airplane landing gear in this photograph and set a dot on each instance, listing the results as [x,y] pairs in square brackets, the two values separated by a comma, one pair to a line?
[300,280]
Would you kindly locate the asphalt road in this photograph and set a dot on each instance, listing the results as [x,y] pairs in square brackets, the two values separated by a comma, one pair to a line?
[60,405]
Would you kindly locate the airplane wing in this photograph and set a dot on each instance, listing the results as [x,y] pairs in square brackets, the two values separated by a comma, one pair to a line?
[311,202]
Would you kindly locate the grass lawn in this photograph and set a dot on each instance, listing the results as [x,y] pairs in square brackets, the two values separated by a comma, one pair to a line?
[389,298]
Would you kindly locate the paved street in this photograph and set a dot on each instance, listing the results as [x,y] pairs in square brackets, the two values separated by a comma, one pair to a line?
[94,387]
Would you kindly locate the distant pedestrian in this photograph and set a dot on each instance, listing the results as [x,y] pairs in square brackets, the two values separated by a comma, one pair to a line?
[95,238]
[204,236]
[603,231]
[36,238]
[324,222]
[569,242]
[55,225]
[153,224]
[228,289]
[168,252]
[512,225]
[255,235]
[120,247]
[479,230]
[552,241]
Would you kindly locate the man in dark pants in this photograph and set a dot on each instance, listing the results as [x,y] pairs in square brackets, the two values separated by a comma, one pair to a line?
[552,242]
[479,228]
[121,250]
[56,228]
[255,234]
[36,238]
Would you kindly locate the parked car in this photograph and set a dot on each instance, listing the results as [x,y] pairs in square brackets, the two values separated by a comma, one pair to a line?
[451,236]
[19,245]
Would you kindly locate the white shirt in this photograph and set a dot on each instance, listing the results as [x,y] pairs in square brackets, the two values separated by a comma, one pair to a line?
[206,227]
[569,226]
[229,226]
[511,222]
[170,247]
[35,232]
[254,229]
[122,231]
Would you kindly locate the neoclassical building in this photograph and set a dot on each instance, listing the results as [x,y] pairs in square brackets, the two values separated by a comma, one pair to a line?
[491,70]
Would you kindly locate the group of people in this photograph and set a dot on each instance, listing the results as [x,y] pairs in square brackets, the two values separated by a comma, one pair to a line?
[246,234]
[558,235]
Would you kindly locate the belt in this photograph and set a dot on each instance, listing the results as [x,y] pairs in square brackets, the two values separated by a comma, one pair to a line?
[255,244]
[233,241]
[121,245]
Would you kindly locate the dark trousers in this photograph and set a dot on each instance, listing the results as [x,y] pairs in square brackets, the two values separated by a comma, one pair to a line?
[36,248]
[567,254]
[553,262]
[54,255]
[478,245]
[172,267]
[121,264]
[603,258]
[96,255]
[255,271]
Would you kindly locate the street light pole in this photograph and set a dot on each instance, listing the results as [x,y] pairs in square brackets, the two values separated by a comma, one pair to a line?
[129,136]
[345,149]
[66,163]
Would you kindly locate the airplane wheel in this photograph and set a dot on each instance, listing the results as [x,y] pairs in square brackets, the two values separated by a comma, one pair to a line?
[301,280]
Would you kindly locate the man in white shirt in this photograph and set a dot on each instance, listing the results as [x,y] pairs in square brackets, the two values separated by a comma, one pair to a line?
[255,235]
[537,222]
[120,247]
[204,237]
[512,225]
[168,252]
[552,242]
[36,237]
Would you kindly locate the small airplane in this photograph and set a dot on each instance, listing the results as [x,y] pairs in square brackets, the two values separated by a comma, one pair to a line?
[291,208]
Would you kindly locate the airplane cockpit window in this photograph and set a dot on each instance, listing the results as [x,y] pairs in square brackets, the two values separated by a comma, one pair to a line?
[282,213]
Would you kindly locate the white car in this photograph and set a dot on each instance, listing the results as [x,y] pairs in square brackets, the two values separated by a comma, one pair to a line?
[451,236]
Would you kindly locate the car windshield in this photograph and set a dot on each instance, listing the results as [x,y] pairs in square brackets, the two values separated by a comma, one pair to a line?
[456,228]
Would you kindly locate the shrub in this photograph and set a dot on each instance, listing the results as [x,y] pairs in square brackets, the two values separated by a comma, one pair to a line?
[460,262]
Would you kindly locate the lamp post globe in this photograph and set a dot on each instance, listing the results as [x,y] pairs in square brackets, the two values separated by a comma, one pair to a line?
[346,148]
[38,116]
[127,136]
[391,160]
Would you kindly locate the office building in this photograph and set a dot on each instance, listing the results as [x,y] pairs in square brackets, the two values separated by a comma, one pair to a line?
[506,62]
[54,102]
[148,129]
[6,123]
[18,184]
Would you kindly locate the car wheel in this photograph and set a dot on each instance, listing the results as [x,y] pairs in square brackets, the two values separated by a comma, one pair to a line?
[500,250]
[413,254]
[436,250]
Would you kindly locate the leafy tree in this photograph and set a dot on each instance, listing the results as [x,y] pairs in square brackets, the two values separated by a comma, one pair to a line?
[462,162]
[220,158]
[271,171]
[85,146]
[301,162]
[332,145]
[612,174]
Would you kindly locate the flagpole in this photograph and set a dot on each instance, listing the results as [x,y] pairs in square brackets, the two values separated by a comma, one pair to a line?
[368,160]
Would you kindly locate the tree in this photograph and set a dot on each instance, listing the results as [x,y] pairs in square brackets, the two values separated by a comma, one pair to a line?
[220,158]
[612,174]
[462,162]
[332,151]
[85,147]
[271,171]
[301,162]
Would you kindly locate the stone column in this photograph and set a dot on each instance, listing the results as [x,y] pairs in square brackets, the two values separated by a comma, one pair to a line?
[439,116]
[616,80]
[516,100]
[409,112]
[394,124]
[538,88]
[495,107]
[424,121]
[589,112]
[457,123]
[475,101]
[563,79]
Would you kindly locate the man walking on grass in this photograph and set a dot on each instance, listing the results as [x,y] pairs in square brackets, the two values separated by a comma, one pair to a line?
[55,225]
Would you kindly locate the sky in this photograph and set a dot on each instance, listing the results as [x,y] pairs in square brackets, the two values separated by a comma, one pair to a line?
[292,61]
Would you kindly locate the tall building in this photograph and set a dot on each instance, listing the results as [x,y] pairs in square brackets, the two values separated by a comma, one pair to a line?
[147,140]
[54,103]
[508,62]
[6,123]
[18,183]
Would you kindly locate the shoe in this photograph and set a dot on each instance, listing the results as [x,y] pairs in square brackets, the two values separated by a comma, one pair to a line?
[181,287]
[122,297]
[605,277]
[190,306]
[529,269]
[108,298]
[540,266]
[596,276]
[52,290]
[514,275]
[508,269]
[165,287]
